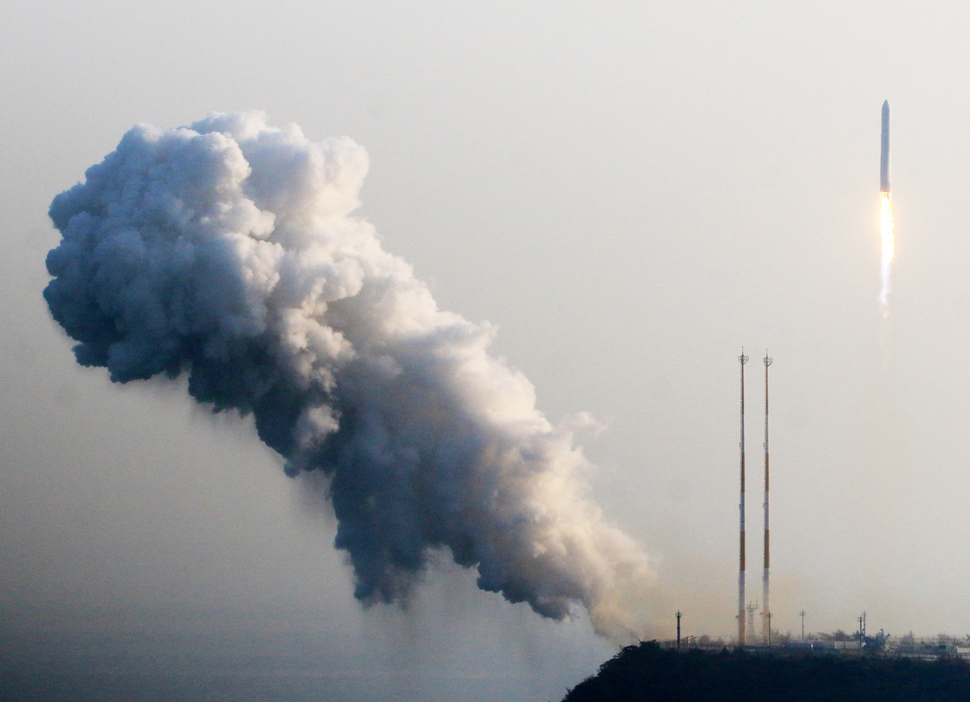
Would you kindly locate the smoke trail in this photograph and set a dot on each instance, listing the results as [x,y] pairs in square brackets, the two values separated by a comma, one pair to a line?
[226,251]
[888,249]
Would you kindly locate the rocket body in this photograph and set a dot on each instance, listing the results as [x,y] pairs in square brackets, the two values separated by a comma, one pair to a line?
[884,155]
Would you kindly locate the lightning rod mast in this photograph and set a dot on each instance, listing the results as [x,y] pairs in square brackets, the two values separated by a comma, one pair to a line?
[742,633]
[765,609]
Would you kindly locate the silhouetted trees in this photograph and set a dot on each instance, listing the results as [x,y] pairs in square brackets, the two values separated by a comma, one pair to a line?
[649,673]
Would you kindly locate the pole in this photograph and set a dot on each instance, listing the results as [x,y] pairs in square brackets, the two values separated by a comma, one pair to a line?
[742,632]
[766,609]
[803,624]
[678,629]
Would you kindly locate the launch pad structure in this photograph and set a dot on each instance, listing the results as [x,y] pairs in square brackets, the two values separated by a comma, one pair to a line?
[745,612]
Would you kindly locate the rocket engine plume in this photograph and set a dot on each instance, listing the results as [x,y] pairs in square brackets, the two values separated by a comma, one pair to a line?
[888,248]
[226,251]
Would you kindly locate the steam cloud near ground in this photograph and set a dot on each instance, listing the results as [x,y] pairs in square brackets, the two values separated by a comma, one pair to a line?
[226,251]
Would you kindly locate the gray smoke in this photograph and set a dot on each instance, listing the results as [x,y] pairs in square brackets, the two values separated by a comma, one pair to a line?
[226,251]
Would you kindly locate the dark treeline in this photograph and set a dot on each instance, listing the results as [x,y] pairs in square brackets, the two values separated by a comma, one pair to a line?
[649,673]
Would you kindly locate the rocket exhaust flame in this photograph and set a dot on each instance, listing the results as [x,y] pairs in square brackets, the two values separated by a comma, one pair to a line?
[888,249]
[226,251]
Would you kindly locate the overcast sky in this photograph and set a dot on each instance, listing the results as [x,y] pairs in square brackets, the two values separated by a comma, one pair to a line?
[631,191]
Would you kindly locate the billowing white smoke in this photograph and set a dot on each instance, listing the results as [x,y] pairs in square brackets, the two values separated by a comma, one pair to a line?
[226,251]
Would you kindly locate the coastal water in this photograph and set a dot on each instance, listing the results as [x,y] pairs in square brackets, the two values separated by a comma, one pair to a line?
[263,663]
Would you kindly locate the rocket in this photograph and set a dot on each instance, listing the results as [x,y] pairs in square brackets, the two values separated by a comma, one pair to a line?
[886,198]
[884,155]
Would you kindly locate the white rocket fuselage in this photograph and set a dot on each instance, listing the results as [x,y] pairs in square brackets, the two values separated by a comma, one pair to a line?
[884,154]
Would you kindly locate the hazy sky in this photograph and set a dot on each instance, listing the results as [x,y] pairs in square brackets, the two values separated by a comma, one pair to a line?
[631,191]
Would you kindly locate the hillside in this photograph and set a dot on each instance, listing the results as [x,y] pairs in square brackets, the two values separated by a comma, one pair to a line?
[649,673]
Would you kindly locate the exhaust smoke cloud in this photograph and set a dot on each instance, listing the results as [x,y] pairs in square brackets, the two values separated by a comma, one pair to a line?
[227,252]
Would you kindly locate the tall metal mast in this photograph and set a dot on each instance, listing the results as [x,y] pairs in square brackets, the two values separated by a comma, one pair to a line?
[742,632]
[765,608]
